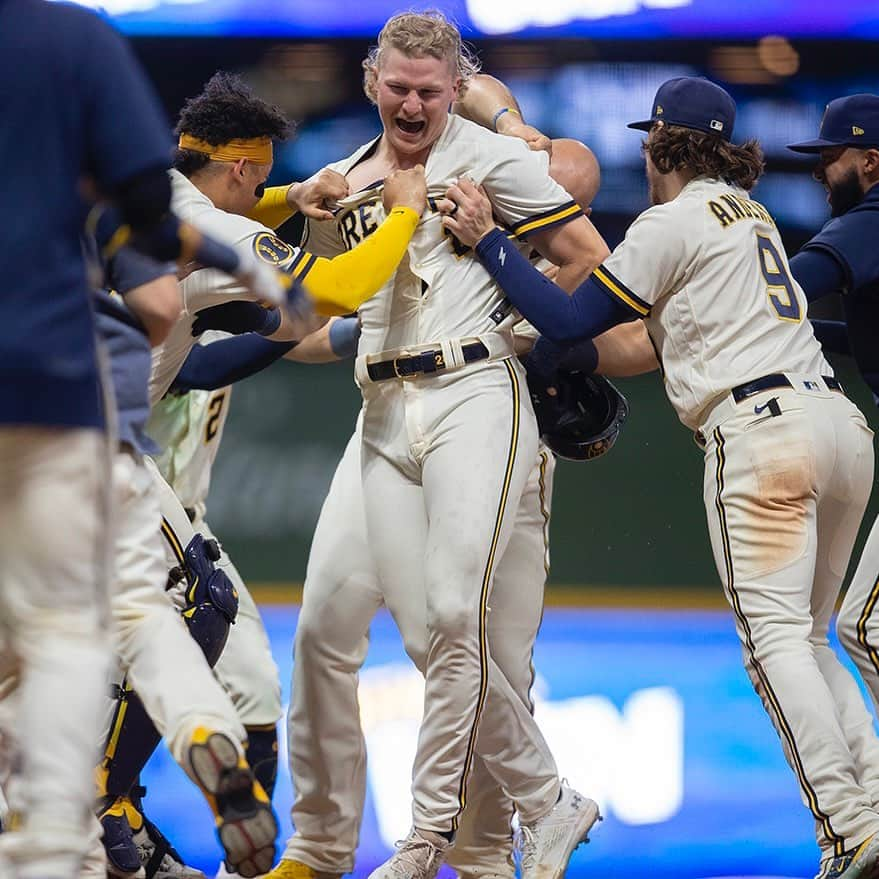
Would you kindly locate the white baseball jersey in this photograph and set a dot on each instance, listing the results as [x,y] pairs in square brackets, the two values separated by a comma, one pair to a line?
[189,429]
[439,291]
[206,287]
[698,269]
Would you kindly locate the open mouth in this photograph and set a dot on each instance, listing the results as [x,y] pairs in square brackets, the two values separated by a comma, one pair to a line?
[410,127]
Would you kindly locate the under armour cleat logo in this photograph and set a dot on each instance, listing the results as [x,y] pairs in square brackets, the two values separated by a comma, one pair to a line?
[502,256]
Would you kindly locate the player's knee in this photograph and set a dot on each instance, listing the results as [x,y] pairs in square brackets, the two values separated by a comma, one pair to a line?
[312,631]
[453,618]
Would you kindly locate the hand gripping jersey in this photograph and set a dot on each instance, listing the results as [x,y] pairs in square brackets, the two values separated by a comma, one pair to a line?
[439,291]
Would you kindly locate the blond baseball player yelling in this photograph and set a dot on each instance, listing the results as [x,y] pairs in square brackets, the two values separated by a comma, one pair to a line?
[449,438]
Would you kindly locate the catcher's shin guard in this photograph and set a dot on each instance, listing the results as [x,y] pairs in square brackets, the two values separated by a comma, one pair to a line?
[211,599]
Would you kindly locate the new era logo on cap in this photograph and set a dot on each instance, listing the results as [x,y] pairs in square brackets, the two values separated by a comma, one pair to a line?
[849,121]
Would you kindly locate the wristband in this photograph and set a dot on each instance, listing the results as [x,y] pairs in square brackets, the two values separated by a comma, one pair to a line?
[344,334]
[501,113]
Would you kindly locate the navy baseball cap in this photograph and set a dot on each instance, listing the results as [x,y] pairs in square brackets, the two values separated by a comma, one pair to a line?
[851,121]
[692,102]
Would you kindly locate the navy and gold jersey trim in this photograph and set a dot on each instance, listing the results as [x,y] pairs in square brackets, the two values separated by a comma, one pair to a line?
[613,285]
[302,265]
[554,217]
[771,699]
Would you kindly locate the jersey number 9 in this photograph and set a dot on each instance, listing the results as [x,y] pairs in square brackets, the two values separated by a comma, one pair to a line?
[779,285]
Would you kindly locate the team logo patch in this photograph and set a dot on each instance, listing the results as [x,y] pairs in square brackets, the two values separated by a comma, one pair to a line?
[271,249]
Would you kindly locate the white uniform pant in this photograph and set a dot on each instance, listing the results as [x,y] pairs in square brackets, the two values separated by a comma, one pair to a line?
[246,668]
[54,655]
[784,497]
[165,667]
[444,462]
[342,593]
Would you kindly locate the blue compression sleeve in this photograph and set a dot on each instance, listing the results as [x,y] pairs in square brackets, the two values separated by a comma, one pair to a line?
[222,363]
[833,336]
[587,313]
[817,272]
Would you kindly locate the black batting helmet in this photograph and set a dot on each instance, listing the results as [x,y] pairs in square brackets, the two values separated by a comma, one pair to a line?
[594,412]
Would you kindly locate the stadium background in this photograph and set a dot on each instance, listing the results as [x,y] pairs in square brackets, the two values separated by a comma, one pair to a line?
[696,785]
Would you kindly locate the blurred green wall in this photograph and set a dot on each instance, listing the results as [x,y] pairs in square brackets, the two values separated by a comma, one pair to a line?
[633,519]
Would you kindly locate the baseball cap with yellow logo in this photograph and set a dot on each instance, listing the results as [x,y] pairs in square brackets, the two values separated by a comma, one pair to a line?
[851,121]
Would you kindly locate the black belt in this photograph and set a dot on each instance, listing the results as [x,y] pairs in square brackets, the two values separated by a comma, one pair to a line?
[425,363]
[777,380]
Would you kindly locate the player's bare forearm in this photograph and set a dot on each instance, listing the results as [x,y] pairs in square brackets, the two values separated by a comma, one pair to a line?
[625,350]
[576,248]
[157,305]
[315,347]
[489,103]
[292,329]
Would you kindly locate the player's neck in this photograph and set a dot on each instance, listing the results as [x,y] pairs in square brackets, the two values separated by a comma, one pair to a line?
[397,161]
[673,184]
[212,185]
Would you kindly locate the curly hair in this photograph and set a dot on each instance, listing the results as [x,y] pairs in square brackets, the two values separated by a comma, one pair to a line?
[225,110]
[673,148]
[416,35]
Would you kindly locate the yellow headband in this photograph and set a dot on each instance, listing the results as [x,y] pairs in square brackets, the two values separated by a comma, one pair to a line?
[256,149]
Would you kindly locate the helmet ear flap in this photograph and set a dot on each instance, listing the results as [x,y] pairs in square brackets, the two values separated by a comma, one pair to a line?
[594,414]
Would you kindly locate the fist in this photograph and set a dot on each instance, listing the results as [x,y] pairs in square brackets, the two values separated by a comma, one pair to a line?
[314,197]
[406,189]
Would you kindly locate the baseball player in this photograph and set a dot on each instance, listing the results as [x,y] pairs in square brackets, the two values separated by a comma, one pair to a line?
[449,440]
[842,257]
[788,458]
[342,592]
[88,110]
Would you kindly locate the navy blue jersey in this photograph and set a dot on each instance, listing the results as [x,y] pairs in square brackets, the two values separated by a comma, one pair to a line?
[74,104]
[851,240]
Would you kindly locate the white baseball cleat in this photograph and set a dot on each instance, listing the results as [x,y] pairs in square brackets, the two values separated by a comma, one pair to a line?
[418,856]
[860,863]
[546,844]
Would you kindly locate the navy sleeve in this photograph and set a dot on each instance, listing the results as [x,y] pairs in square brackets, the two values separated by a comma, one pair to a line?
[818,271]
[126,129]
[129,269]
[586,313]
[222,363]
[851,240]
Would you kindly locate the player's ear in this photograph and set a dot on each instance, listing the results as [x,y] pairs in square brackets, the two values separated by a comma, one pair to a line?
[239,169]
[871,163]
